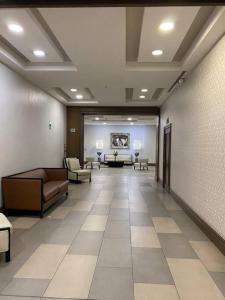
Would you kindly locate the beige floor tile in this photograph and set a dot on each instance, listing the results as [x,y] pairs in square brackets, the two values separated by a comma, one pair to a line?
[211,257]
[43,262]
[144,291]
[73,278]
[165,225]
[24,223]
[119,204]
[60,212]
[144,236]
[94,223]
[83,206]
[192,280]
[103,200]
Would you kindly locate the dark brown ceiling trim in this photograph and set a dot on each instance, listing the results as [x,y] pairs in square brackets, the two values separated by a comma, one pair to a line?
[109,3]
[116,110]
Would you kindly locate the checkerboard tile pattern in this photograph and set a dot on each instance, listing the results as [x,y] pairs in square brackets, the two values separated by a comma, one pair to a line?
[120,237]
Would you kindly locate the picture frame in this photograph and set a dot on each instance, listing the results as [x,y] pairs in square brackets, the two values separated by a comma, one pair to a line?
[120,140]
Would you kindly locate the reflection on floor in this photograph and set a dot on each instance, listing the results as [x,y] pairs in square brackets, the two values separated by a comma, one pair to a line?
[119,238]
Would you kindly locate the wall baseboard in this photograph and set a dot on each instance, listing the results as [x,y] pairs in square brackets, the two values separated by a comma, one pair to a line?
[208,230]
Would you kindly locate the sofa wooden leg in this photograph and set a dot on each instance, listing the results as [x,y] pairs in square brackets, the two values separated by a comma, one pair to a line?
[90,179]
[67,193]
[7,256]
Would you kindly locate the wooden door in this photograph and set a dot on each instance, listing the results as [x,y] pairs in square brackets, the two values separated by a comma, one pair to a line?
[167,156]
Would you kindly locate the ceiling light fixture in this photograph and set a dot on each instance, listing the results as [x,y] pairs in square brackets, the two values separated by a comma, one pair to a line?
[105,123]
[129,119]
[73,90]
[39,53]
[142,97]
[166,26]
[79,96]
[16,28]
[157,52]
[97,118]
[144,90]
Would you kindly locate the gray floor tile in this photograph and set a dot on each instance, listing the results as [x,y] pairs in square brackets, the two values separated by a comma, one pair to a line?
[112,284]
[219,279]
[150,266]
[119,214]
[100,209]
[64,234]
[176,246]
[87,243]
[140,219]
[17,298]
[115,253]
[117,229]
[188,227]
[75,218]
[26,287]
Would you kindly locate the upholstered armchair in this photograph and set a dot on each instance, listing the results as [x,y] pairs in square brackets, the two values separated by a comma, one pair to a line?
[5,233]
[75,172]
[142,164]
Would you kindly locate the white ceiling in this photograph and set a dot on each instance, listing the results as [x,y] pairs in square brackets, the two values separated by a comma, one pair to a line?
[87,50]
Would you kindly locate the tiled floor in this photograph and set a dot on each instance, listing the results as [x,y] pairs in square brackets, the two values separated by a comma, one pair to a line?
[120,237]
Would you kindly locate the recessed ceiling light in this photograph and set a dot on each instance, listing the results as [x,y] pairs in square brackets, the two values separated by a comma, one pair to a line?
[131,123]
[73,90]
[166,26]
[157,52]
[144,90]
[104,123]
[39,53]
[79,96]
[129,119]
[97,118]
[142,97]
[16,28]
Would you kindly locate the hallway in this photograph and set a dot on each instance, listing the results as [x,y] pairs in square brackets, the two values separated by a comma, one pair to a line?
[119,238]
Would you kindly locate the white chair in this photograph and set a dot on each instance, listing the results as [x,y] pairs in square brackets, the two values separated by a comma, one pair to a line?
[74,170]
[91,162]
[5,236]
[142,164]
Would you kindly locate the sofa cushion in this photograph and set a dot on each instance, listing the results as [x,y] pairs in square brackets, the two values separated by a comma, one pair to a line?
[63,185]
[38,173]
[51,188]
[73,163]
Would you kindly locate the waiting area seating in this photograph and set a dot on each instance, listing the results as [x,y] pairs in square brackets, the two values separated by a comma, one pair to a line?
[75,173]
[5,236]
[126,158]
[35,190]
[142,164]
[91,163]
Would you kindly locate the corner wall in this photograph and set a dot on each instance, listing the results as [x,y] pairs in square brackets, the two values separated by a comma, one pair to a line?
[25,139]
[197,113]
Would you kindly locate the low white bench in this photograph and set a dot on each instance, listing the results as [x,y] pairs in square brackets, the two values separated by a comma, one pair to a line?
[5,236]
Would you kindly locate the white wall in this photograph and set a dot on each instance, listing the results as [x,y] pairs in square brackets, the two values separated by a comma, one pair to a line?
[25,139]
[146,134]
[197,113]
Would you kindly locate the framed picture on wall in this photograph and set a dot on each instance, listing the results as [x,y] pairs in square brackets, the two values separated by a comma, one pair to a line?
[120,140]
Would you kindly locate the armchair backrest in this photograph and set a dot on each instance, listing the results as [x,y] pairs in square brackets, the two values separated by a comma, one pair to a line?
[72,163]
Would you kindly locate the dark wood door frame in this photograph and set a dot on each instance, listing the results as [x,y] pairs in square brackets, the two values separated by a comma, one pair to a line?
[107,110]
[167,130]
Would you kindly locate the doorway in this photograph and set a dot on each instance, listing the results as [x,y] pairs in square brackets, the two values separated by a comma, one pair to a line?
[167,156]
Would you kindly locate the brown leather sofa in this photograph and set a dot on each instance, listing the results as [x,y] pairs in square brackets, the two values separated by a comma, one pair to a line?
[34,191]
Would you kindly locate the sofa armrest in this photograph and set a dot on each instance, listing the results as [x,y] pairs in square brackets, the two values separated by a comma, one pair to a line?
[56,173]
[22,193]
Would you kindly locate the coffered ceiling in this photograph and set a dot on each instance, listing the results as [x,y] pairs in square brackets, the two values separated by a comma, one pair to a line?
[104,56]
